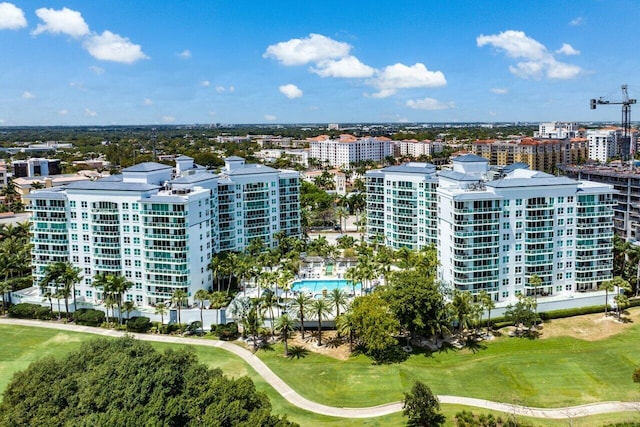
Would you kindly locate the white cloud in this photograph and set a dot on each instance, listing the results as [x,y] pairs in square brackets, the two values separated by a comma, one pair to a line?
[400,76]
[27,95]
[112,47]
[63,112]
[291,91]
[147,102]
[185,54]
[205,83]
[232,89]
[11,17]
[577,21]
[270,117]
[314,48]
[63,21]
[2,120]
[429,104]
[537,62]
[77,85]
[168,119]
[97,70]
[347,67]
[567,49]
[499,91]
[90,113]
[220,89]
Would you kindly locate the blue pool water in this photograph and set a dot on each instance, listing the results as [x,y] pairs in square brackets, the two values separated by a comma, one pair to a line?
[316,286]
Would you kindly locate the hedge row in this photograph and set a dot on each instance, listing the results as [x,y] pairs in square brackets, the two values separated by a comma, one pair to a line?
[139,324]
[30,311]
[89,317]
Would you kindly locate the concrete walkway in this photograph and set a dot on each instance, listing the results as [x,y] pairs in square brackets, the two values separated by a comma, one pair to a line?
[373,411]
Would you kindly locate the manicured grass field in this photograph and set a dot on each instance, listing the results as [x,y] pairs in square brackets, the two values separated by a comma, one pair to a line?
[553,372]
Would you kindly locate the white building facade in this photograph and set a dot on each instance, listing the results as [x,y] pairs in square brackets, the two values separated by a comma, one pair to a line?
[157,228]
[348,149]
[401,205]
[494,236]
[557,130]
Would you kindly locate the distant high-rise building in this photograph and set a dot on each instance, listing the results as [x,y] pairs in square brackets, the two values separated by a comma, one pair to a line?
[557,130]
[35,167]
[348,149]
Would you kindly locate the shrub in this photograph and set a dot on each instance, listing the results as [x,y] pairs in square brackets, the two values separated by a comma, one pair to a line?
[89,317]
[30,311]
[139,324]
[226,332]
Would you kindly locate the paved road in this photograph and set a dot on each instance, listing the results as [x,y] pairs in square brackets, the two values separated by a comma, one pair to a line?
[373,411]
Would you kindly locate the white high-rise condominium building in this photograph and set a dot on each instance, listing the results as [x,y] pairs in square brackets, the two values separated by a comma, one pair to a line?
[557,130]
[160,229]
[603,143]
[401,205]
[495,235]
[349,149]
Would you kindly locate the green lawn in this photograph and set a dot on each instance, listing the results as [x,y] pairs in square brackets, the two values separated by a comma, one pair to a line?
[547,373]
[551,372]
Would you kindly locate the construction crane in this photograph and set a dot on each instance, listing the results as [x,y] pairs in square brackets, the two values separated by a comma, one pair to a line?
[624,147]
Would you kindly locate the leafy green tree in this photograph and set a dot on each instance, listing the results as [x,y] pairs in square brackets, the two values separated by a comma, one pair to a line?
[321,310]
[416,301]
[375,324]
[422,407]
[125,382]
[285,325]
[522,313]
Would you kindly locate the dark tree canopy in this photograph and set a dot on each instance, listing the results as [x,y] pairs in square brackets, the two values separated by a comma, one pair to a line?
[126,382]
[422,407]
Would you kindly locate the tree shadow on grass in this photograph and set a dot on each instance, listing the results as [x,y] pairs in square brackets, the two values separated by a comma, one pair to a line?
[474,345]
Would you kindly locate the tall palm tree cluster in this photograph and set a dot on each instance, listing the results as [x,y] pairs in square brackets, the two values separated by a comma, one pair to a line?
[113,289]
[15,260]
[11,198]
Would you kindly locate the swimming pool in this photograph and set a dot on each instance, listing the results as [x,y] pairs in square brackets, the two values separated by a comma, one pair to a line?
[316,286]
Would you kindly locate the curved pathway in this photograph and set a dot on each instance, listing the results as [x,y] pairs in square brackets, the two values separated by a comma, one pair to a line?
[373,411]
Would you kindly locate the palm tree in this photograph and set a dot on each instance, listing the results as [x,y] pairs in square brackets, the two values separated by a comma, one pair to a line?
[607,286]
[161,309]
[100,281]
[487,304]
[321,309]
[351,276]
[47,296]
[128,307]
[228,265]
[267,303]
[535,281]
[119,285]
[302,303]
[285,325]
[64,276]
[345,324]
[201,295]
[216,266]
[462,309]
[621,303]
[338,298]
[285,276]
[179,297]
[4,288]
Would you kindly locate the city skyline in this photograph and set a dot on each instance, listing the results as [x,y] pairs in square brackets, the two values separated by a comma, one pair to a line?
[119,63]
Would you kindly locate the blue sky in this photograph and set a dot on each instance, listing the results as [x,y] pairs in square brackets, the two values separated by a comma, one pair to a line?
[104,62]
